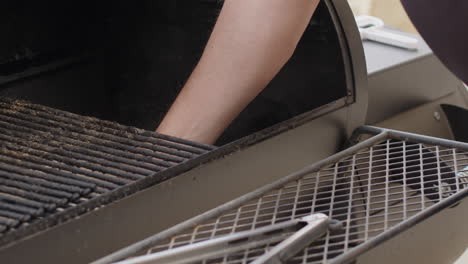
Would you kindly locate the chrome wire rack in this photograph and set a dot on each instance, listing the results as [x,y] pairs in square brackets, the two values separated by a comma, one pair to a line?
[387,182]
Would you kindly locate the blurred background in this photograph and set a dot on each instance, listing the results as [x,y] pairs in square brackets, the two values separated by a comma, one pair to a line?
[391,11]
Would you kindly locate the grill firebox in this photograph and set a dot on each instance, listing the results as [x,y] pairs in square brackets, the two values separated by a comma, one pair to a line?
[53,162]
[377,189]
[110,82]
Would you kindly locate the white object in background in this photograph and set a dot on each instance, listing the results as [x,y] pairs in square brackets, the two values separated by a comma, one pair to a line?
[360,7]
[372,28]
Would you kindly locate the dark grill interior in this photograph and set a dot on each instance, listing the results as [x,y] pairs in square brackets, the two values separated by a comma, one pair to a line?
[126,61]
[51,160]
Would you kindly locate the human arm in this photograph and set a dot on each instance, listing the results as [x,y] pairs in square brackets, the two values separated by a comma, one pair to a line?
[250,43]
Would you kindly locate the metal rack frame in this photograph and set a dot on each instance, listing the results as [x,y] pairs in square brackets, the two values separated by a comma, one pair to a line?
[378,135]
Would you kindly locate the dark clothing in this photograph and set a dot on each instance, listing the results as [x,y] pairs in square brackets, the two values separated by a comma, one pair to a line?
[444,26]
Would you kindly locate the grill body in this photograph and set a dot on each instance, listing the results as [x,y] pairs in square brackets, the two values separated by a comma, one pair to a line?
[139,207]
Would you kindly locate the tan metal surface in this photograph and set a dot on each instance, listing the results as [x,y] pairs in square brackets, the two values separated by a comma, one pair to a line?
[428,119]
[440,239]
[399,89]
[432,241]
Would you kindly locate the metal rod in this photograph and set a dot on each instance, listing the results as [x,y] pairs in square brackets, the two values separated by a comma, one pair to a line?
[12,162]
[20,209]
[25,202]
[9,222]
[74,162]
[32,195]
[34,145]
[35,122]
[317,225]
[406,136]
[41,182]
[145,135]
[39,189]
[18,216]
[230,243]
[92,143]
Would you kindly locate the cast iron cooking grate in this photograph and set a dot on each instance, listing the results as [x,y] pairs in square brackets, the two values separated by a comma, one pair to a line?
[51,160]
[376,189]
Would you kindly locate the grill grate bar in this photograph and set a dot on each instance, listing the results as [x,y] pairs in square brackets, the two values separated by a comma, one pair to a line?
[37,168]
[27,203]
[94,124]
[43,183]
[89,142]
[62,150]
[17,216]
[164,159]
[109,134]
[36,187]
[8,222]
[98,151]
[5,205]
[73,165]
[32,196]
[27,168]
[52,161]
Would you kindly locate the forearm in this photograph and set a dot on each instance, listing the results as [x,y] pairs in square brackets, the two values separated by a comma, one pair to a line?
[250,43]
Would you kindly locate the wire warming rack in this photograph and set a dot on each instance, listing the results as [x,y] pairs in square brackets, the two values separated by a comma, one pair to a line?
[387,182]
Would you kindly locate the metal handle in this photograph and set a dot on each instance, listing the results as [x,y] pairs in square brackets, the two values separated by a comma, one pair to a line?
[315,225]
[389,38]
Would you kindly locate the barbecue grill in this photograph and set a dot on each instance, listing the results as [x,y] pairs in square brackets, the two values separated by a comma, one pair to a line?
[76,188]
[377,189]
[65,175]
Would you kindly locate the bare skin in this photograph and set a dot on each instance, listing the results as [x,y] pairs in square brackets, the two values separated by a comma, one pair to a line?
[250,43]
